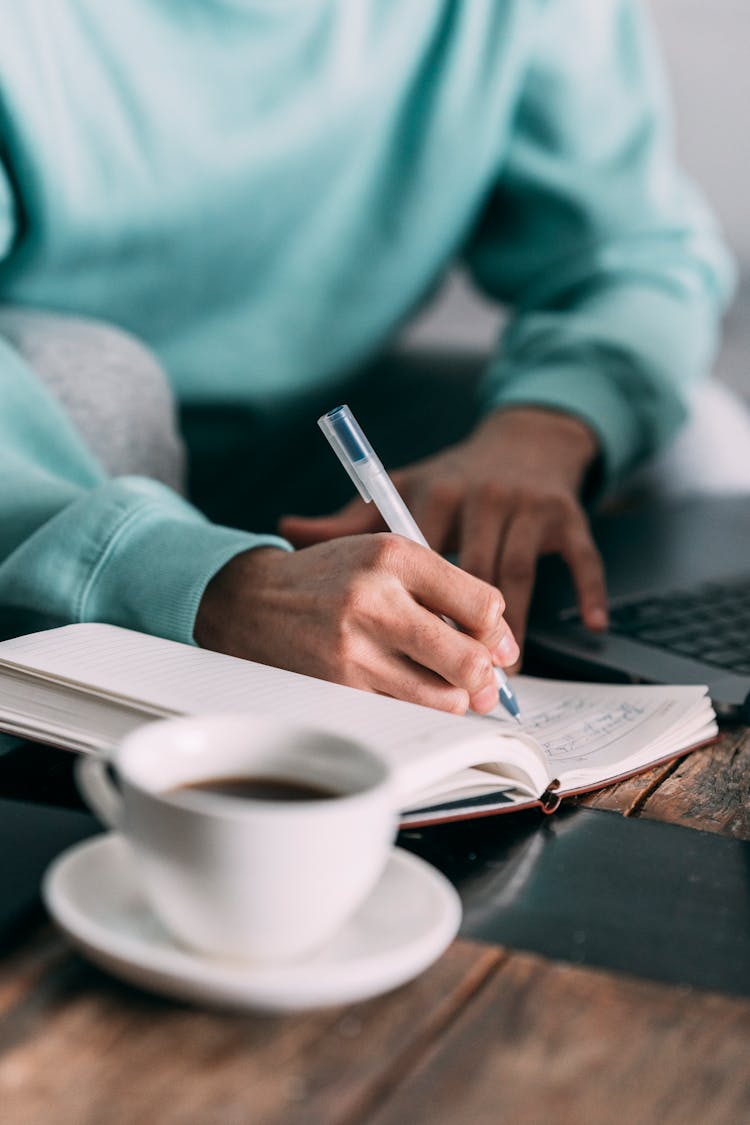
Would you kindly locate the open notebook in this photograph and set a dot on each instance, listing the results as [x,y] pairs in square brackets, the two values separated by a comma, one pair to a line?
[83,687]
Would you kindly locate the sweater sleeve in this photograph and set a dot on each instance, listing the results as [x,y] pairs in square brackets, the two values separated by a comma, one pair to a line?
[610,259]
[76,545]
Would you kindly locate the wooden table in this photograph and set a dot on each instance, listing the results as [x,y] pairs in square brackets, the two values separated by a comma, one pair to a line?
[487,1035]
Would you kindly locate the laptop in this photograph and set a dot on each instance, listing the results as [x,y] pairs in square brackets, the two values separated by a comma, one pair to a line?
[679,584]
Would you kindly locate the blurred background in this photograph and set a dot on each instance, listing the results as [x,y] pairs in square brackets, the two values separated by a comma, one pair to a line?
[705,45]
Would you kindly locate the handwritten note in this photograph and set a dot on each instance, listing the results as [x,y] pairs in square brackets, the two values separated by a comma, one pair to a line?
[584,728]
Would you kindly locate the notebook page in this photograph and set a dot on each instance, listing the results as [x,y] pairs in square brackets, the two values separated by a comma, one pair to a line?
[591,732]
[64,716]
[421,744]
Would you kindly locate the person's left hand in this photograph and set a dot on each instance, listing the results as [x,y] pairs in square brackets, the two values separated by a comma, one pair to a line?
[500,499]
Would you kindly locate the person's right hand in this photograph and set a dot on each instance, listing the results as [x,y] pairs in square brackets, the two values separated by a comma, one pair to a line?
[364,611]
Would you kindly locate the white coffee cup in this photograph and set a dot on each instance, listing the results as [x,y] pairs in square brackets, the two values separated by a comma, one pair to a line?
[248,878]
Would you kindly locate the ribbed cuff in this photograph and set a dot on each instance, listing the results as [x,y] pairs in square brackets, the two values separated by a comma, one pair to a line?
[155,569]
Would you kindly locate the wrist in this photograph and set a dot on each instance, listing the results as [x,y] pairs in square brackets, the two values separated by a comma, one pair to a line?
[568,442]
[219,604]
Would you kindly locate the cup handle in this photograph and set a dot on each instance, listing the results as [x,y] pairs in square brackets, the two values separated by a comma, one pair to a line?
[98,790]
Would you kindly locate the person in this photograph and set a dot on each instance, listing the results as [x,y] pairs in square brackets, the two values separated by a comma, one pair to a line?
[257,197]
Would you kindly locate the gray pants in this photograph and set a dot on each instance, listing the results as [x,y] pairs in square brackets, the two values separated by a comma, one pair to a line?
[118,398]
[111,387]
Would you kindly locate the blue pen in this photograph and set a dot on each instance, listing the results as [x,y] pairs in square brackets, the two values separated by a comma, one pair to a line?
[373,483]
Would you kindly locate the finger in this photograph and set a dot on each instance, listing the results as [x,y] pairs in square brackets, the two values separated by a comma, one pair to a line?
[483,533]
[517,570]
[476,606]
[587,569]
[453,656]
[436,510]
[376,664]
[357,518]
[400,677]
[483,526]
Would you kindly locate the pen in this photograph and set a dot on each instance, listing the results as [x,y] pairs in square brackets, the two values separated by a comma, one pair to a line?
[373,483]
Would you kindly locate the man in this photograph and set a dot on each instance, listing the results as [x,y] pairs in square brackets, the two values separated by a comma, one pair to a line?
[261,194]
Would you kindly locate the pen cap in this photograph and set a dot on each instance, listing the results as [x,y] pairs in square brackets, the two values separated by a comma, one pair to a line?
[350,445]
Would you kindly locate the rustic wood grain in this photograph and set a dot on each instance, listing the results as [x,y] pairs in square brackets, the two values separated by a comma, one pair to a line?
[708,789]
[104,1054]
[547,1042]
[628,796]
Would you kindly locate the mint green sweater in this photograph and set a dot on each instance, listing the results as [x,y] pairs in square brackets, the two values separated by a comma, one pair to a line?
[262,190]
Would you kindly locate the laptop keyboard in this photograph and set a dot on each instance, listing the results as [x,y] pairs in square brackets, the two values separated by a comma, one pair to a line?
[710,623]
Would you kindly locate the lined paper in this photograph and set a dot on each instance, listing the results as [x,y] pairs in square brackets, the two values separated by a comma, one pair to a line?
[421,744]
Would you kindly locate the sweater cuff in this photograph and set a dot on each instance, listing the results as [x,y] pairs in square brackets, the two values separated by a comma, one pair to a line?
[587,394]
[156,568]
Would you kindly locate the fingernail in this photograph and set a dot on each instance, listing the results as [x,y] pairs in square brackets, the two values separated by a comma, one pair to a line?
[507,650]
[486,700]
[597,619]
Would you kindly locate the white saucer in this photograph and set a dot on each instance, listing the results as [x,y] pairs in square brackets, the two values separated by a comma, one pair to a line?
[406,923]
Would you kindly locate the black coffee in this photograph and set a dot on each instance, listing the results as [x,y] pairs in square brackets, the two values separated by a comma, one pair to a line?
[260,789]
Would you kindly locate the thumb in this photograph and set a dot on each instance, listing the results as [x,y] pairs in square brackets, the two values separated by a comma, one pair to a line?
[356,518]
